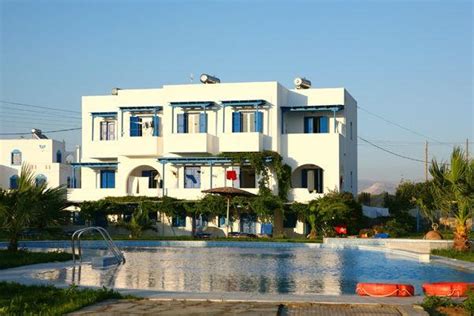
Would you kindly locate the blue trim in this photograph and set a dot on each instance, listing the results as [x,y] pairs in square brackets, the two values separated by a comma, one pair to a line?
[199,160]
[244,103]
[156,125]
[312,108]
[59,156]
[182,123]
[104,114]
[203,122]
[192,104]
[147,108]
[308,125]
[259,122]
[14,181]
[236,122]
[40,180]
[94,164]
[107,179]
[323,124]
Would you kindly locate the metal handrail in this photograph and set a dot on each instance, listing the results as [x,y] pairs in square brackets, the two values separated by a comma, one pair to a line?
[105,235]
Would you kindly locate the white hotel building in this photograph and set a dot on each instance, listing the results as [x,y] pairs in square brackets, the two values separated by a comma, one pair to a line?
[165,141]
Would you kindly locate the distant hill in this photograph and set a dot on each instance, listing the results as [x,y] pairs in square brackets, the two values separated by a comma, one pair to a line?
[377,187]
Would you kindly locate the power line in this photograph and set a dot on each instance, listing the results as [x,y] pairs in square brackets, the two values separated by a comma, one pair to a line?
[40,112]
[33,122]
[42,117]
[398,125]
[44,132]
[389,151]
[38,106]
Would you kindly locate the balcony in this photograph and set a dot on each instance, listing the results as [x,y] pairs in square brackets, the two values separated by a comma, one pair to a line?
[188,143]
[302,195]
[241,142]
[83,194]
[140,146]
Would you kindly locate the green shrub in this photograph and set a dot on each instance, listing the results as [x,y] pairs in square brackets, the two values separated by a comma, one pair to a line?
[469,302]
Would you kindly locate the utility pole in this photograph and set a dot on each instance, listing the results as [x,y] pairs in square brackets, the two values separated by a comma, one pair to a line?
[426,161]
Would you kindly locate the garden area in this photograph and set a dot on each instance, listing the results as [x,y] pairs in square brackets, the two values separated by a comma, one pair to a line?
[444,205]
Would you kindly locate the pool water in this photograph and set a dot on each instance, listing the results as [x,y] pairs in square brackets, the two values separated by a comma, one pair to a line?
[299,270]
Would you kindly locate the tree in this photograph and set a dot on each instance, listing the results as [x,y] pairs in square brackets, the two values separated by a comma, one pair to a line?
[29,205]
[454,187]
[335,208]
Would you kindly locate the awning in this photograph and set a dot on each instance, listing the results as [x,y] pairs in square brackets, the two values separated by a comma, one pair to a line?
[138,108]
[199,160]
[104,114]
[312,108]
[192,104]
[94,164]
[244,103]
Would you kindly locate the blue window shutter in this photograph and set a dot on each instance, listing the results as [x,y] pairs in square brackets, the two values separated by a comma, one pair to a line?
[156,126]
[111,179]
[203,123]
[58,156]
[304,178]
[135,128]
[236,122]
[183,123]
[308,125]
[259,122]
[14,182]
[103,179]
[323,124]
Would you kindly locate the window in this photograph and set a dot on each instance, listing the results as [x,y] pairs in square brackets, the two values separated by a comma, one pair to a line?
[16,157]
[68,182]
[247,122]
[14,182]
[351,179]
[178,220]
[247,177]
[351,129]
[316,124]
[136,129]
[152,178]
[192,177]
[107,179]
[107,130]
[192,123]
[59,156]
[40,180]
[312,179]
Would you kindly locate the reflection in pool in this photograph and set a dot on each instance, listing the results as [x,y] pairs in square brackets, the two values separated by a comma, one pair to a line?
[257,270]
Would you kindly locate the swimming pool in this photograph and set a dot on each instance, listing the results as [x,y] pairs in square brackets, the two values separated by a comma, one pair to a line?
[253,267]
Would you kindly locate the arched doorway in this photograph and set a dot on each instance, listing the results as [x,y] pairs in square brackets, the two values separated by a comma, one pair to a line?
[308,176]
[143,180]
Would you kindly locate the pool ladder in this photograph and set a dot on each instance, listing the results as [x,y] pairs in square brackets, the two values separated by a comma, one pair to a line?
[76,237]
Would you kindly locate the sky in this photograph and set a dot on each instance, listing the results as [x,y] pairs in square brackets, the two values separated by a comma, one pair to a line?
[406,62]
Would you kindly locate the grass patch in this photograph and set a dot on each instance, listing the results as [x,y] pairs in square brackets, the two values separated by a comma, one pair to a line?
[11,259]
[454,254]
[17,299]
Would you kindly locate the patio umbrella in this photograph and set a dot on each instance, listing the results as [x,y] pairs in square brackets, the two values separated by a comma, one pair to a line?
[228,193]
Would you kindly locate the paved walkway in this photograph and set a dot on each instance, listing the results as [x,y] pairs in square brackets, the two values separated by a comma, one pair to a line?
[186,307]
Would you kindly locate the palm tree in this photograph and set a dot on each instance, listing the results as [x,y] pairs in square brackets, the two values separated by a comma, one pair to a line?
[29,205]
[454,188]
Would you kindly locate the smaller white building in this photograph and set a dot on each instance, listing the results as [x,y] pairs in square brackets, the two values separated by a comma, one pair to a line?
[48,159]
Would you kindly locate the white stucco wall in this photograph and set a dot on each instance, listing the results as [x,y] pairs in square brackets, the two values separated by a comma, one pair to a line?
[39,154]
